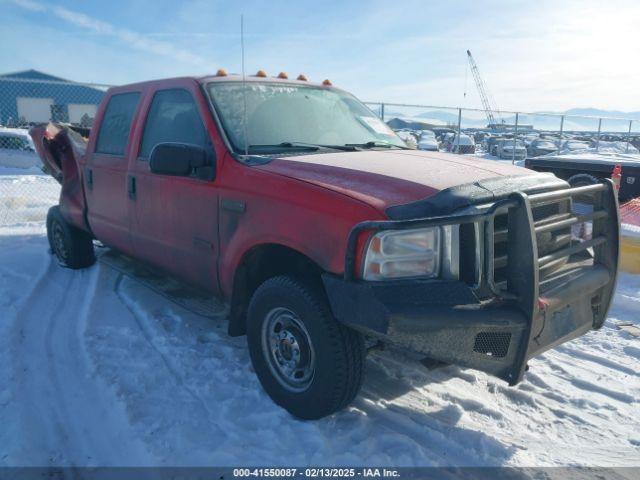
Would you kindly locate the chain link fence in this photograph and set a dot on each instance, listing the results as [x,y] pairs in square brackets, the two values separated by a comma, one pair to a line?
[26,99]
[30,98]
[513,136]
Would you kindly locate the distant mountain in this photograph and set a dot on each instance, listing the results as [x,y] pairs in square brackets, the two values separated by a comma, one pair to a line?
[440,115]
[540,122]
[392,114]
[596,112]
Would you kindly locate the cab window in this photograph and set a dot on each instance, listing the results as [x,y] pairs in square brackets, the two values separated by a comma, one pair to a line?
[116,123]
[173,117]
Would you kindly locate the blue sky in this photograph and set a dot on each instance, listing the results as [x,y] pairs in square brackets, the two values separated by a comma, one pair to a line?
[533,55]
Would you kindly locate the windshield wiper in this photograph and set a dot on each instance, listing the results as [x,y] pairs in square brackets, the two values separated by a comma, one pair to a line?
[312,147]
[376,144]
[276,146]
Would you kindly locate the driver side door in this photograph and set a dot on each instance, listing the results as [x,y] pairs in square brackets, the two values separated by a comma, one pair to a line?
[175,224]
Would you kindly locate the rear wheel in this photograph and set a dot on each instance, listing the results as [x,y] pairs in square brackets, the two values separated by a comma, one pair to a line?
[72,246]
[306,361]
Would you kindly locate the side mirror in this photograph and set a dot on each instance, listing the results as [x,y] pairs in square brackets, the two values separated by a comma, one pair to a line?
[177,159]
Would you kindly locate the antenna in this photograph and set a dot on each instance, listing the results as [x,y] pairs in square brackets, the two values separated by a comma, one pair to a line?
[244,89]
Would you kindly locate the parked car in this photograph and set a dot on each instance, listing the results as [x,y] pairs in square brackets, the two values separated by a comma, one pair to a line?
[509,149]
[541,146]
[529,138]
[614,147]
[463,144]
[573,145]
[428,141]
[325,234]
[17,149]
[408,138]
[492,145]
[441,132]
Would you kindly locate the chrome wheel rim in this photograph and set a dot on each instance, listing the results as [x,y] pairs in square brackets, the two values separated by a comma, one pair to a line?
[288,350]
[58,242]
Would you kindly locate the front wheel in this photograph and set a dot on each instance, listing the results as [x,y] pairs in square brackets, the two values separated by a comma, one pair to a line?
[306,361]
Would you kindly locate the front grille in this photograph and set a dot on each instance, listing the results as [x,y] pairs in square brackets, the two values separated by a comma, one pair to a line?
[500,250]
[495,344]
[468,254]
[553,223]
[552,241]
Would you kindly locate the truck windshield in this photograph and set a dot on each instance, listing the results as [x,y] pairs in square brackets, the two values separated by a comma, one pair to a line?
[281,117]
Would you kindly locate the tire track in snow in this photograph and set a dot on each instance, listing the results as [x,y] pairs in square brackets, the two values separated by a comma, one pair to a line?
[67,418]
[406,405]
[408,416]
[609,365]
[142,322]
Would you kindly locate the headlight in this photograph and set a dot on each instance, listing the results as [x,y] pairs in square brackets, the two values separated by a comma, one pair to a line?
[400,254]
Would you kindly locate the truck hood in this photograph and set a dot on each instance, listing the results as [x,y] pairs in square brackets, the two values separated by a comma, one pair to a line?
[392,177]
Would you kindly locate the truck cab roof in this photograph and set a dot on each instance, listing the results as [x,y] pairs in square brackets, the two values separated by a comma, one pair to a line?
[233,77]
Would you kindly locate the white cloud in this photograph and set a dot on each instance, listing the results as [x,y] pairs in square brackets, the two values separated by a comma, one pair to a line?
[533,56]
[131,38]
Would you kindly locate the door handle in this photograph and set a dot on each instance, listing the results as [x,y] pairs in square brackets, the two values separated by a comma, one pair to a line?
[89,176]
[131,187]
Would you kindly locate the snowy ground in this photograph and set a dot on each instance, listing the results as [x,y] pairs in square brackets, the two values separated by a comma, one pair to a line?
[98,369]
[25,194]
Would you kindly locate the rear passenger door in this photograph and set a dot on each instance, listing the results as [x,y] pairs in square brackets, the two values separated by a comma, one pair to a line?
[106,173]
[175,225]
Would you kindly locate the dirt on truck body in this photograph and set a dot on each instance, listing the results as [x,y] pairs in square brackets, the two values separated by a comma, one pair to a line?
[300,208]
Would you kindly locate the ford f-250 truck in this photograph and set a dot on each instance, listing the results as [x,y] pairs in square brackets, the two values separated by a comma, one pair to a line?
[300,208]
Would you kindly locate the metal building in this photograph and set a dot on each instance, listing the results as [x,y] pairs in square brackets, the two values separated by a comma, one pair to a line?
[30,97]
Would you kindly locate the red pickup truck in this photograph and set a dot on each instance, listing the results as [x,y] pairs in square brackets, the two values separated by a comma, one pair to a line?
[326,235]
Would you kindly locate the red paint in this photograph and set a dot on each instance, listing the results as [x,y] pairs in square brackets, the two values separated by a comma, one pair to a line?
[309,203]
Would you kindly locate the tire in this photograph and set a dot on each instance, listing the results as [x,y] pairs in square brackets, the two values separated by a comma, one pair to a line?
[330,362]
[582,179]
[72,246]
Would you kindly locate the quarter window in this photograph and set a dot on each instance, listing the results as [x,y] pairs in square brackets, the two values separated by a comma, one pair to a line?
[116,123]
[173,117]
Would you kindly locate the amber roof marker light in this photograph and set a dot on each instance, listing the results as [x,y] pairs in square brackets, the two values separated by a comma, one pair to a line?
[302,77]
[221,72]
[327,83]
[261,74]
[283,75]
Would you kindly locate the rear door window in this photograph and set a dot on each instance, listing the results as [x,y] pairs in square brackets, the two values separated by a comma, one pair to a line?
[173,117]
[116,123]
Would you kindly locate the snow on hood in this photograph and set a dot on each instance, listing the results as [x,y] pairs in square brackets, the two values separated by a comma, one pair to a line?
[386,178]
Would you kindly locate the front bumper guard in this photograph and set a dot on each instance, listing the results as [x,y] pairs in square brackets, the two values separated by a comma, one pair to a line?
[446,321]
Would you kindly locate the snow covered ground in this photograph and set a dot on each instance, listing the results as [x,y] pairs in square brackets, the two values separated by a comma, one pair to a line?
[98,369]
[25,194]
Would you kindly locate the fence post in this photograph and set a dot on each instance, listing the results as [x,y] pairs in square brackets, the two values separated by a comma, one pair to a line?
[598,137]
[561,130]
[382,111]
[626,150]
[459,123]
[515,140]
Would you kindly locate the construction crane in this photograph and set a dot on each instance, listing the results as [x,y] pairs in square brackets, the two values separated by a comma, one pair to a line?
[482,90]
